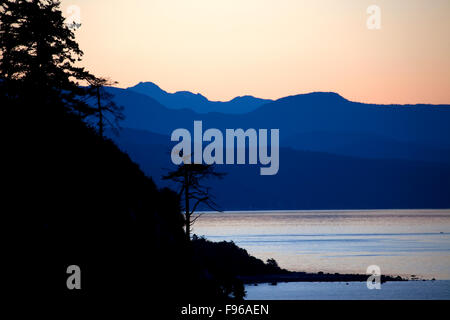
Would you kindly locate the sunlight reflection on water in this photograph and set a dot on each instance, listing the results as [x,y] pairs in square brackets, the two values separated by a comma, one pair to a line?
[401,242]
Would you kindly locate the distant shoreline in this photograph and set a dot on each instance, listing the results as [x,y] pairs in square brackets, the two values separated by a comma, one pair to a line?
[317,277]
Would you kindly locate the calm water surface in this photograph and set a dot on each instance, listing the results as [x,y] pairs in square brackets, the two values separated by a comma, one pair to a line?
[411,290]
[400,242]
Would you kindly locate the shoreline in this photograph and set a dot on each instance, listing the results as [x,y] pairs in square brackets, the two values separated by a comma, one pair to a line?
[317,277]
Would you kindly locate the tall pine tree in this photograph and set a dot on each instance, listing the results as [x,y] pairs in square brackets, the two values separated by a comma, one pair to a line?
[38,56]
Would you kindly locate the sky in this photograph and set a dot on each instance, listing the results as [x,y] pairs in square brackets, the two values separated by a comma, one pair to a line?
[271,48]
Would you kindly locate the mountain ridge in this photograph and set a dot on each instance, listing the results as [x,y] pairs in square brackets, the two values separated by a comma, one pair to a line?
[334,153]
[303,115]
[196,101]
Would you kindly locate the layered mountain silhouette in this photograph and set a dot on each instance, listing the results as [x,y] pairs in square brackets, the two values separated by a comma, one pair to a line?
[197,102]
[307,180]
[323,122]
[336,154]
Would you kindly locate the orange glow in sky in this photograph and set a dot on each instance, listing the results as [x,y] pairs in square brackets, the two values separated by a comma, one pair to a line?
[272,48]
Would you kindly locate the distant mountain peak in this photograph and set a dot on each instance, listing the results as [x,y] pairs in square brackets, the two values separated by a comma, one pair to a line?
[319,97]
[188,93]
[323,94]
[149,88]
[147,84]
[244,97]
[328,94]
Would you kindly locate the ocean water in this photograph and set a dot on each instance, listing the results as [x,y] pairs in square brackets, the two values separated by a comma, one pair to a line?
[400,242]
[411,290]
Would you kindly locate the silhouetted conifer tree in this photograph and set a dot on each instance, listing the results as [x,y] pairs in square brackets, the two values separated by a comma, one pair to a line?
[190,177]
[38,55]
[108,112]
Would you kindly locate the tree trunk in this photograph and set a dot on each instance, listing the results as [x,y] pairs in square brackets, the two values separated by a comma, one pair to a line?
[186,199]
[100,113]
